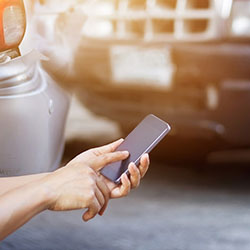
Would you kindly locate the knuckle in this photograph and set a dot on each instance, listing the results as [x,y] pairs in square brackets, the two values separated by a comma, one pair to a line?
[99,207]
[92,175]
[91,172]
[105,158]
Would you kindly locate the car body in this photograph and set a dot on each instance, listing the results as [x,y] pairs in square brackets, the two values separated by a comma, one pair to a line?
[33,108]
[186,61]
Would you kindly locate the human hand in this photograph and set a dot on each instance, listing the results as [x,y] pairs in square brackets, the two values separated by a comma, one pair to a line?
[78,186]
[99,157]
[127,183]
[131,182]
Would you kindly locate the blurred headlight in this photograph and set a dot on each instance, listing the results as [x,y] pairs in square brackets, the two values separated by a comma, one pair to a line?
[241,18]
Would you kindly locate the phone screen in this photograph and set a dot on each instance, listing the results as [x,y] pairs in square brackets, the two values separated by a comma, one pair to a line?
[141,140]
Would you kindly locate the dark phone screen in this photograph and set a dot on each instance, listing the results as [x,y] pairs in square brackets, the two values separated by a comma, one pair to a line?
[136,143]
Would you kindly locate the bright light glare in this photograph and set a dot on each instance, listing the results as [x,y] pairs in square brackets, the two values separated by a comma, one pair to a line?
[241,26]
[241,18]
[101,8]
[223,7]
[226,8]
[98,28]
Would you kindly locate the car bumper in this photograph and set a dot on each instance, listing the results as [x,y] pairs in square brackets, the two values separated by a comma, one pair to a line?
[187,105]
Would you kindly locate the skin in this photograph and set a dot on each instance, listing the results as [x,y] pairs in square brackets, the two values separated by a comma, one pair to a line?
[78,185]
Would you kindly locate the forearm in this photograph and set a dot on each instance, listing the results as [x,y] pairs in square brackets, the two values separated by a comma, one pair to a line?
[21,204]
[9,183]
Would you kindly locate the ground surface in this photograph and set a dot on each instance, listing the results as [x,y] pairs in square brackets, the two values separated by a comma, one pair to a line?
[174,208]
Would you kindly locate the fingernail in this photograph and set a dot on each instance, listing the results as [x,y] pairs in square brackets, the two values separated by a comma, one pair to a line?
[131,165]
[126,153]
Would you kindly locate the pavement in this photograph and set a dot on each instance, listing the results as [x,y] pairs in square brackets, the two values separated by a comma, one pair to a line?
[173,209]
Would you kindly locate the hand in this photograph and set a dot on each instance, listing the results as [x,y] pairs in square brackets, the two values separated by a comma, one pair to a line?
[78,186]
[128,183]
[136,173]
[99,157]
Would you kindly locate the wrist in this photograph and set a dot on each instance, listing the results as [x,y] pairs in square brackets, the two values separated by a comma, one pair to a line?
[48,191]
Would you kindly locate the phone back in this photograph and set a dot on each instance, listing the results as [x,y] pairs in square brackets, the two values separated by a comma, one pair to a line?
[141,140]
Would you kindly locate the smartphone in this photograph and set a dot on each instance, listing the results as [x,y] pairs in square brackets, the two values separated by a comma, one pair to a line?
[148,133]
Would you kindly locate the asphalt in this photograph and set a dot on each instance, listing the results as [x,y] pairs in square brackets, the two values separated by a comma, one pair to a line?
[174,209]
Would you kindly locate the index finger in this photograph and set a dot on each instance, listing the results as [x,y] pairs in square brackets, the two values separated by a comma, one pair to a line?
[108,158]
[111,147]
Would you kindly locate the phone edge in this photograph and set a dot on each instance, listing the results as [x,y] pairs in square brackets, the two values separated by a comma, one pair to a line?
[148,150]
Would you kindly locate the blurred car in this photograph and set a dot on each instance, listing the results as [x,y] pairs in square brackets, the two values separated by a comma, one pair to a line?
[33,108]
[186,61]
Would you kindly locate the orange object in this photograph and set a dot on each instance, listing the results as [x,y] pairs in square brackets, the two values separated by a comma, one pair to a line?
[12,23]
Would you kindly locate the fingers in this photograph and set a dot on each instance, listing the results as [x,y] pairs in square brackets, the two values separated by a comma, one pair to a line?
[108,148]
[108,158]
[100,198]
[135,175]
[93,209]
[144,165]
[126,185]
[123,189]
[104,190]
[99,201]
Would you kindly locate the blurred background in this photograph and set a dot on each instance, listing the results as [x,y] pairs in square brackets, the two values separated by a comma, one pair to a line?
[186,61]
